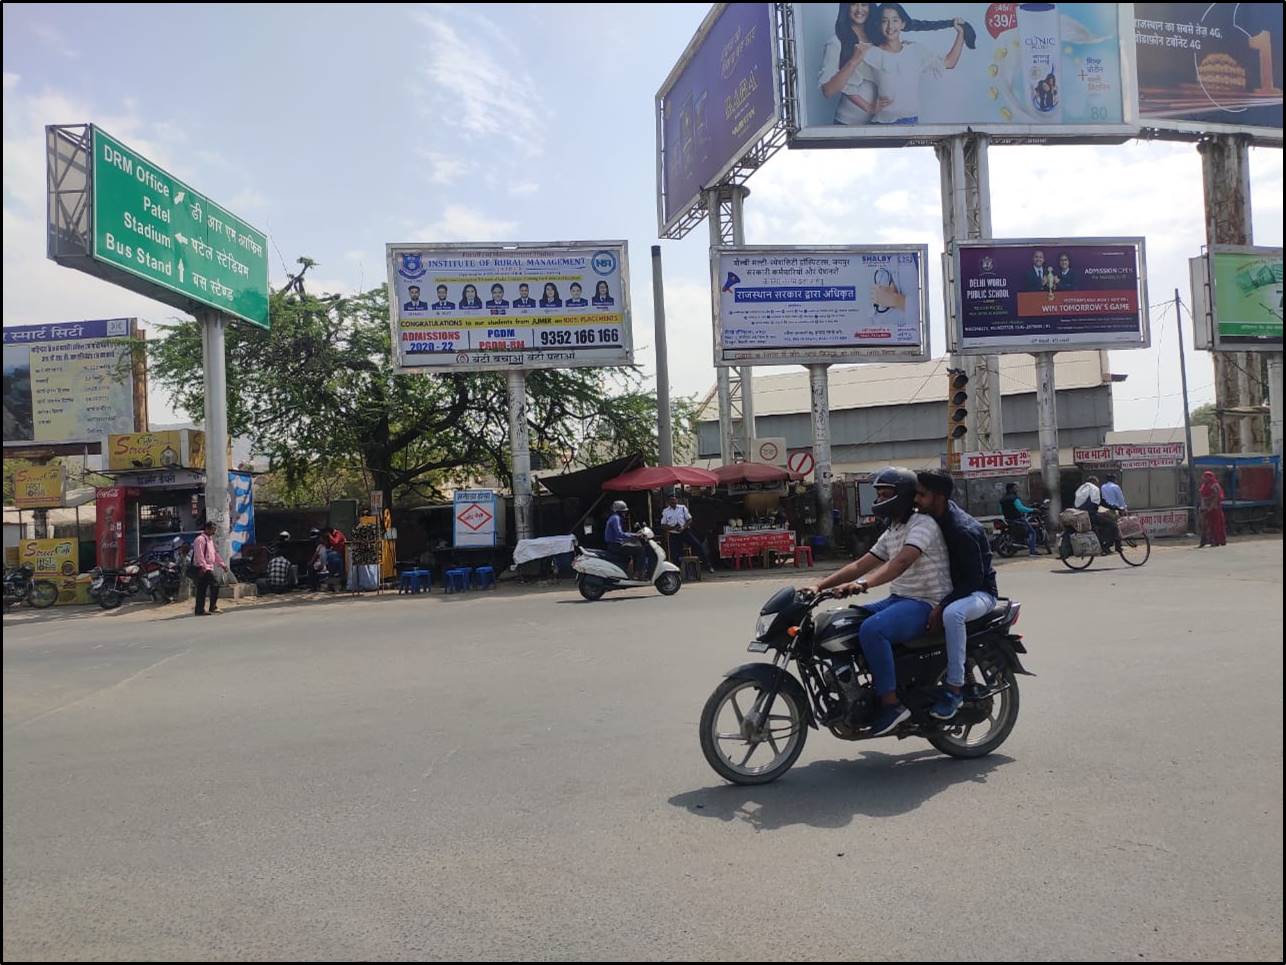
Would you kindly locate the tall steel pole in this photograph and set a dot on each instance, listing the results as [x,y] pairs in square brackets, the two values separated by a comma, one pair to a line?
[818,382]
[664,428]
[1187,407]
[520,453]
[213,326]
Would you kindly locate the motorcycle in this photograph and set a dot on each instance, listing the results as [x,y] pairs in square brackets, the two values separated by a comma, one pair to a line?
[21,586]
[1077,549]
[155,576]
[763,707]
[597,572]
[1008,538]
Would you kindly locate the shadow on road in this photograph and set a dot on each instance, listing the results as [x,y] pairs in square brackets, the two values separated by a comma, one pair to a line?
[830,794]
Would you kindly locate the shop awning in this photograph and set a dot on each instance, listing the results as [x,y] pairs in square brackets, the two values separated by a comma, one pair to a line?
[588,483]
[647,478]
[752,472]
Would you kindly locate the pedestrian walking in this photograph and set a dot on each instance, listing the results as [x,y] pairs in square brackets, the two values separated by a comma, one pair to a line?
[1213,525]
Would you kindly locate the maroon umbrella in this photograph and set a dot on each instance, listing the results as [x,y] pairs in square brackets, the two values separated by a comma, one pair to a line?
[752,472]
[647,478]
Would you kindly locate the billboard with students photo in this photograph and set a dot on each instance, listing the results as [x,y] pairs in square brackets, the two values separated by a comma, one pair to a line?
[896,73]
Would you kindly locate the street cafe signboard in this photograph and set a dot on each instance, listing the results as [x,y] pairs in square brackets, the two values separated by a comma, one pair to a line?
[1000,462]
[1132,456]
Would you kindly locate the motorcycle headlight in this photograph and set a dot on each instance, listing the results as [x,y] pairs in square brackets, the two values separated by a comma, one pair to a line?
[763,624]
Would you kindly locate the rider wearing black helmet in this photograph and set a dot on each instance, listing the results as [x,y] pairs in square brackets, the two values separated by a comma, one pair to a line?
[911,556]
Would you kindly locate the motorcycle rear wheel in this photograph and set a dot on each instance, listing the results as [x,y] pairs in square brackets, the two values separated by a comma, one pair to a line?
[43,594]
[1002,716]
[787,725]
[591,588]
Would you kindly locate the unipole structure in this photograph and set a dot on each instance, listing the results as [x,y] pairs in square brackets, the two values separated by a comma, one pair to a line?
[664,427]
[966,216]
[1047,425]
[818,382]
[725,214]
[213,328]
[520,453]
[1225,170]
[1187,408]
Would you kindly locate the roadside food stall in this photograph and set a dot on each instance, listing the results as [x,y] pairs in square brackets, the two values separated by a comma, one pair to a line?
[58,557]
[761,530]
[654,479]
[159,494]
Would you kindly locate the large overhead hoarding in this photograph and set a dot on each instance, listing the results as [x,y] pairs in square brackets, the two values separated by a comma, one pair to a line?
[71,383]
[795,305]
[479,308]
[1210,68]
[1047,294]
[890,74]
[720,101]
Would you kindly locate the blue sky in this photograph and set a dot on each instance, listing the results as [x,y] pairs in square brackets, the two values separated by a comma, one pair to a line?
[339,128]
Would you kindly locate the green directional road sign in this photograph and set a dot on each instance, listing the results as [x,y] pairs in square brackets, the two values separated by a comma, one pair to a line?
[149,223]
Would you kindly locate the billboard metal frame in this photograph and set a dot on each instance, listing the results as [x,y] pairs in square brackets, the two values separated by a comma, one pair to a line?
[1205,321]
[951,284]
[830,356]
[500,247]
[767,141]
[999,134]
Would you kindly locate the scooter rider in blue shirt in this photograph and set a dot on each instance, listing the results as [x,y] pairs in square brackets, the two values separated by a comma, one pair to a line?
[619,541]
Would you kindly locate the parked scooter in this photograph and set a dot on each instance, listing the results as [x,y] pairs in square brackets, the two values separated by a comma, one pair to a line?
[597,572]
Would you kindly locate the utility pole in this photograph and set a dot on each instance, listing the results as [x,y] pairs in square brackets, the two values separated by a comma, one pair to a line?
[1187,407]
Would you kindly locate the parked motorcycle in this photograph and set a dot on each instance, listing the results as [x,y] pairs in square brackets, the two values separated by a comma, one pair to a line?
[597,572]
[1008,538]
[1077,548]
[155,576]
[754,725]
[21,586]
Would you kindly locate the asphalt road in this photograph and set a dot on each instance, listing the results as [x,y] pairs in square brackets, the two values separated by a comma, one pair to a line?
[519,777]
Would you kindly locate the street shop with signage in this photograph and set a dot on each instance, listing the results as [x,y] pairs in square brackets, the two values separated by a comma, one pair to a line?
[158,495]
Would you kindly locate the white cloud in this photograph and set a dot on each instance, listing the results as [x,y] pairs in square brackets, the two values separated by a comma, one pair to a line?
[524,189]
[53,38]
[460,223]
[10,81]
[445,169]
[472,80]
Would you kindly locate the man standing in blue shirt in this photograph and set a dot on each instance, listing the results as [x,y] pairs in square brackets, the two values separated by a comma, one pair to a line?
[973,580]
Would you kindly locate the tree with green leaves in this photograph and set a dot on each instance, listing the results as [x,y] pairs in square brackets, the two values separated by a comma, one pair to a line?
[318,396]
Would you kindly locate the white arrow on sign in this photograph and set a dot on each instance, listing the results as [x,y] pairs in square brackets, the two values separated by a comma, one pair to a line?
[181,270]
[180,237]
[179,196]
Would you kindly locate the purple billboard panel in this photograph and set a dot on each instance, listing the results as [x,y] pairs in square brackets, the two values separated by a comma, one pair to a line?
[1047,294]
[718,101]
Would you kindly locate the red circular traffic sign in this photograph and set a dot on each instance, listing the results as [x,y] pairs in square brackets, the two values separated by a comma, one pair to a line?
[801,463]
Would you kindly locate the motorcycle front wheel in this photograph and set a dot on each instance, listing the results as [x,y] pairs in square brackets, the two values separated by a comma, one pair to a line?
[44,593]
[668,584]
[110,599]
[591,588]
[744,754]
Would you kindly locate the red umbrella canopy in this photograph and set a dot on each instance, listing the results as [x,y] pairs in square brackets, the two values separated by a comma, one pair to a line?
[658,477]
[752,472]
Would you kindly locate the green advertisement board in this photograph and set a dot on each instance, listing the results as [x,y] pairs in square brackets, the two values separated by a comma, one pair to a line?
[149,223]
[1247,298]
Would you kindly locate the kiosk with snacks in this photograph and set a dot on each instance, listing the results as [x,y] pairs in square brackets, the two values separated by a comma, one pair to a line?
[158,493]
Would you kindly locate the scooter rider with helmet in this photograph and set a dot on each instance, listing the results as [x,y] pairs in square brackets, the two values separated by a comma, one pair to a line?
[619,543]
[911,556]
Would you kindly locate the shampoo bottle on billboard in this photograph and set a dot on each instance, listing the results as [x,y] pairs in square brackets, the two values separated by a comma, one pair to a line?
[1041,39]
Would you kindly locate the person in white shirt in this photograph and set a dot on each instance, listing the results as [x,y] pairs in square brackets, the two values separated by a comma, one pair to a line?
[900,64]
[1090,499]
[677,521]
[911,556]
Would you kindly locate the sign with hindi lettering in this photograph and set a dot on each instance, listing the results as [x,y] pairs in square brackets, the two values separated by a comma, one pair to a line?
[1128,455]
[999,462]
[69,382]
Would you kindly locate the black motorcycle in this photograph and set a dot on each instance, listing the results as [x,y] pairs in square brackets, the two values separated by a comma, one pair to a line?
[755,723]
[21,586]
[1008,537]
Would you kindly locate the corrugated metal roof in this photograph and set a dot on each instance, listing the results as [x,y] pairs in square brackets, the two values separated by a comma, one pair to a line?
[870,386]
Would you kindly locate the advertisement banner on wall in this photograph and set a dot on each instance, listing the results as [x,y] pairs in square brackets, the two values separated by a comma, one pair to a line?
[796,306]
[1022,72]
[465,308]
[1049,293]
[57,560]
[71,382]
[1210,67]
[720,100]
[474,518]
[111,507]
[167,449]
[1246,285]
[39,487]
[998,462]
[1125,455]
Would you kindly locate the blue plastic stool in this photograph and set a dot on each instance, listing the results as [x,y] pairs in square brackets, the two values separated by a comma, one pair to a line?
[484,577]
[457,581]
[415,581]
[406,584]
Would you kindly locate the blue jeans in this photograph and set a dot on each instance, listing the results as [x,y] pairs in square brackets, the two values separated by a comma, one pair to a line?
[1028,529]
[896,619]
[954,618]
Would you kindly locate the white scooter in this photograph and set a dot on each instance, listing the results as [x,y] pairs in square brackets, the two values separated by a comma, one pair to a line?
[597,572]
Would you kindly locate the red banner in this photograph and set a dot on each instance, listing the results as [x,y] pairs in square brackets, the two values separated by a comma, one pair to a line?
[752,544]
[1071,304]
